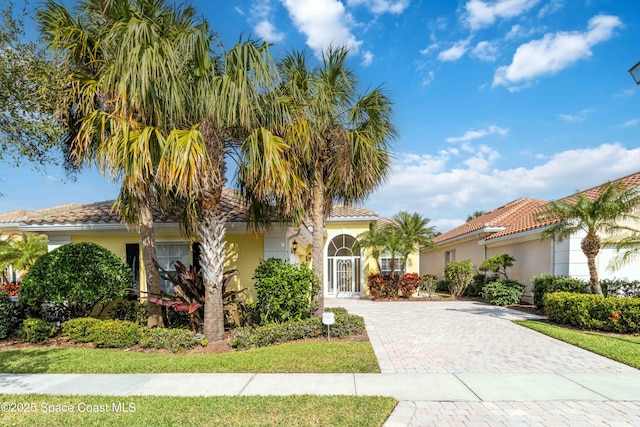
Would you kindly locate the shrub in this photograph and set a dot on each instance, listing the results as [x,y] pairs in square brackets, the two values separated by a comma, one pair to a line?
[442,285]
[476,286]
[459,275]
[408,284]
[284,291]
[172,339]
[498,265]
[429,284]
[78,330]
[383,286]
[261,336]
[503,292]
[9,317]
[37,330]
[621,288]
[132,310]
[74,277]
[620,315]
[546,283]
[114,334]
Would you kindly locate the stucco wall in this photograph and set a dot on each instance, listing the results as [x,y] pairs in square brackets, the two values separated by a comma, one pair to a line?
[433,262]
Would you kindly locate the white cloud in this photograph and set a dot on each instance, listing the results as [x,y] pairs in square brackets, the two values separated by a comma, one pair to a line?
[52,178]
[324,22]
[480,14]
[631,122]
[381,6]
[432,46]
[446,192]
[550,8]
[485,51]
[519,32]
[475,134]
[554,52]
[367,58]
[455,52]
[265,30]
[426,81]
[576,117]
[624,93]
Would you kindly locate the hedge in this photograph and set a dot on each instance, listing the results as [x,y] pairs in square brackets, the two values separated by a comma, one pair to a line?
[589,311]
[546,283]
[275,333]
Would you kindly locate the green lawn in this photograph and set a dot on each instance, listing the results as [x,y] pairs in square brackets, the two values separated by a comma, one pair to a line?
[304,357]
[198,411]
[624,349]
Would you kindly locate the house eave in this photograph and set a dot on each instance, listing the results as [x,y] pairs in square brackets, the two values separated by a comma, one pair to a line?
[352,218]
[514,236]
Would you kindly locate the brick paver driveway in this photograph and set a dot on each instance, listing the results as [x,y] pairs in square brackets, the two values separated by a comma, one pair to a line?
[477,342]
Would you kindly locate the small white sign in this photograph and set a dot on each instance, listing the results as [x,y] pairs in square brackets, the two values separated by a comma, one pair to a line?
[328,318]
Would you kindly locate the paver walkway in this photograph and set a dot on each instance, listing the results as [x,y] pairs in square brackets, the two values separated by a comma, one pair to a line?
[521,377]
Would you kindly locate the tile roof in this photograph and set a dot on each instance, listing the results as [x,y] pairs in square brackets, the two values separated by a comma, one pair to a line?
[504,216]
[521,214]
[102,213]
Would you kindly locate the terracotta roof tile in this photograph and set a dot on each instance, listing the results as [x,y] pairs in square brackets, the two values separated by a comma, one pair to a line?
[344,211]
[102,213]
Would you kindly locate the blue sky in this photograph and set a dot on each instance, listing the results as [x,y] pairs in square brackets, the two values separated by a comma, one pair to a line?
[493,100]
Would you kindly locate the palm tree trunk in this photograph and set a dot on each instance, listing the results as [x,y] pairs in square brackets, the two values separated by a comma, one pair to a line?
[593,275]
[317,218]
[149,255]
[211,232]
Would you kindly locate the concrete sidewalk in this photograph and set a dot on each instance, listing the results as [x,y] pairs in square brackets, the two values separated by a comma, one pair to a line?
[404,387]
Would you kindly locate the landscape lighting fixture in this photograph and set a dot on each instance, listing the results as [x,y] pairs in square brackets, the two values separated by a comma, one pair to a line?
[635,73]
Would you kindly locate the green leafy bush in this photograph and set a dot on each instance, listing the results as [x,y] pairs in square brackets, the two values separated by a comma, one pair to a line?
[459,275]
[503,292]
[621,288]
[261,336]
[9,316]
[476,286]
[114,334]
[408,284]
[37,330]
[74,277]
[284,291]
[442,285]
[78,330]
[590,311]
[497,265]
[172,339]
[429,283]
[132,310]
[546,283]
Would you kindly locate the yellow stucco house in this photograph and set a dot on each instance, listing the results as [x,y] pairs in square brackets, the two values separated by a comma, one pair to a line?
[345,268]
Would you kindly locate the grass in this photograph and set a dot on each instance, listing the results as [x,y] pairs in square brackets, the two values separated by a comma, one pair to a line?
[622,348]
[305,357]
[200,411]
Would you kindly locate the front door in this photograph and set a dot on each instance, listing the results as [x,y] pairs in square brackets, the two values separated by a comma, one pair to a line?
[343,268]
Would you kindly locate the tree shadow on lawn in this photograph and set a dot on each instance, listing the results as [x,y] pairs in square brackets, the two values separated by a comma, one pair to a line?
[30,361]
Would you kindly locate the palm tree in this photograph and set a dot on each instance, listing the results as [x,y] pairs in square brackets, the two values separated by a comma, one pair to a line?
[614,204]
[133,66]
[373,241]
[341,138]
[415,232]
[22,250]
[474,215]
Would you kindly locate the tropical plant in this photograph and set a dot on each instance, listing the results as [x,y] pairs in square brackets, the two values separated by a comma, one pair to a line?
[459,275]
[284,291]
[414,232]
[373,241]
[613,205]
[498,265]
[132,71]
[340,139]
[37,330]
[9,316]
[23,250]
[78,275]
[474,215]
[503,292]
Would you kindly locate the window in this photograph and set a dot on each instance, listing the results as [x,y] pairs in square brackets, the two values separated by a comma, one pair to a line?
[385,265]
[168,254]
[449,256]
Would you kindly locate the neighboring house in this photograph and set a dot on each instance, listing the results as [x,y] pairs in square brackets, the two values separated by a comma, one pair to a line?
[515,230]
[345,268]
